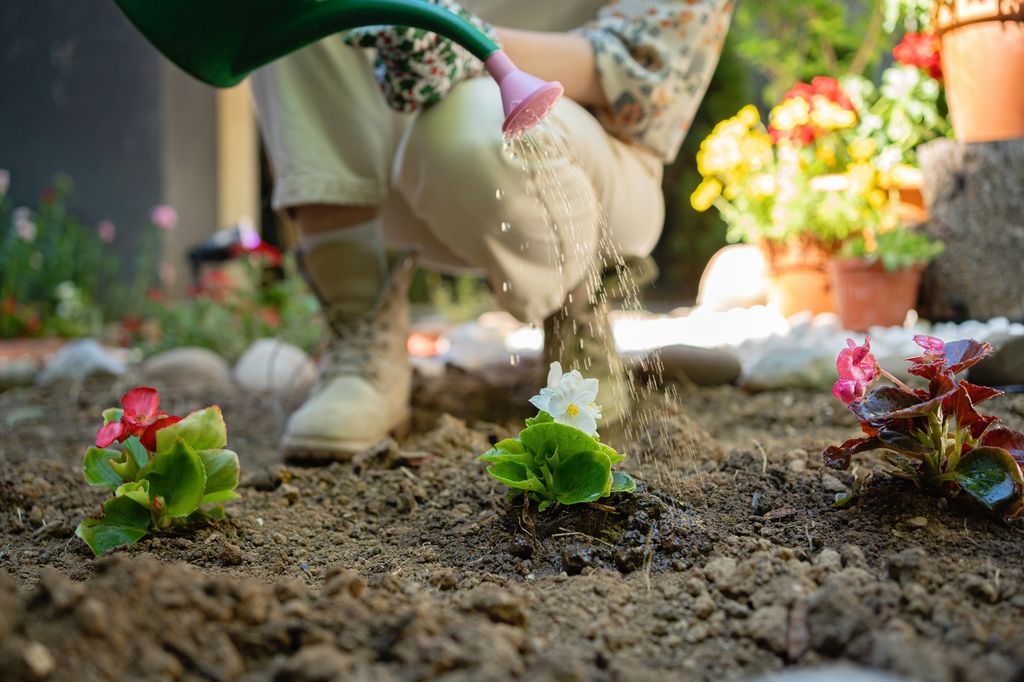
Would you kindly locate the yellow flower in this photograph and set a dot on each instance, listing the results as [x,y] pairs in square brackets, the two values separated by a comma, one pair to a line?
[762,186]
[830,116]
[862,149]
[705,194]
[861,175]
[749,116]
[826,153]
[877,198]
[756,149]
[790,114]
[901,175]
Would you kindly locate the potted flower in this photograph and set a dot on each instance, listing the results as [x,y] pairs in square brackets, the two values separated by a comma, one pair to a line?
[876,277]
[904,110]
[759,178]
[980,44]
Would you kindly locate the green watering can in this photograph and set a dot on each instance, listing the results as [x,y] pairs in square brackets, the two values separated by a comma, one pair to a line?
[221,41]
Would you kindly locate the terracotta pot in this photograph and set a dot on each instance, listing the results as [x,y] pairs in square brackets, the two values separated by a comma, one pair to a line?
[798,277]
[983,67]
[869,295]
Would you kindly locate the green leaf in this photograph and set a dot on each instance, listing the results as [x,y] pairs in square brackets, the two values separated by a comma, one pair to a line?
[622,482]
[541,418]
[97,467]
[179,478]
[516,476]
[613,456]
[544,505]
[112,415]
[137,491]
[201,430]
[221,468]
[124,523]
[545,439]
[991,476]
[134,448]
[582,477]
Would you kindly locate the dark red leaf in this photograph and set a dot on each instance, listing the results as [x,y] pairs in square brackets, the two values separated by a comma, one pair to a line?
[903,442]
[1007,439]
[980,394]
[966,353]
[884,403]
[838,456]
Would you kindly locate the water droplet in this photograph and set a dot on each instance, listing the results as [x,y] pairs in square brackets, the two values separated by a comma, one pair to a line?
[506,226]
[513,359]
[506,285]
[499,194]
[569,298]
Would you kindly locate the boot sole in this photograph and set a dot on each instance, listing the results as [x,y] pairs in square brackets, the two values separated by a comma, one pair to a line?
[312,451]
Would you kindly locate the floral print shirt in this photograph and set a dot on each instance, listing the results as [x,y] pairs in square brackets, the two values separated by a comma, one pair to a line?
[655,59]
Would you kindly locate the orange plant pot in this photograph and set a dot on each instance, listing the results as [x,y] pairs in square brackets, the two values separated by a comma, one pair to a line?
[869,295]
[983,67]
[798,278]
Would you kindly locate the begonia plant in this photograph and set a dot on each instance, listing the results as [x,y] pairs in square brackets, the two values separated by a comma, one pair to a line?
[936,436]
[164,471]
[558,458]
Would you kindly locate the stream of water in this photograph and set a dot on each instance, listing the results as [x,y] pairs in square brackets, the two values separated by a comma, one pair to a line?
[544,154]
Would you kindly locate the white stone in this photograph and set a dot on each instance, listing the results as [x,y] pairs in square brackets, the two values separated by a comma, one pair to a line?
[273,367]
[735,277]
[79,359]
[189,366]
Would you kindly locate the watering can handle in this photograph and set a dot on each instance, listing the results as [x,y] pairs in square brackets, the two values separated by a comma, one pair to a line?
[327,17]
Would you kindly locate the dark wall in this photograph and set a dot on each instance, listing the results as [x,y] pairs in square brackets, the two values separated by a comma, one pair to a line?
[81,92]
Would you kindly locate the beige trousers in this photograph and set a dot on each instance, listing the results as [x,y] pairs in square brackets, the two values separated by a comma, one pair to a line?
[443,182]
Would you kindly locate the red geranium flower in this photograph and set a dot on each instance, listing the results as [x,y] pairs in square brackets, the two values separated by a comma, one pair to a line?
[141,417]
[920,50]
[830,88]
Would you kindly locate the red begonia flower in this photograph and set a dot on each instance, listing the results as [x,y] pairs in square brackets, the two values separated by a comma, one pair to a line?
[149,437]
[140,409]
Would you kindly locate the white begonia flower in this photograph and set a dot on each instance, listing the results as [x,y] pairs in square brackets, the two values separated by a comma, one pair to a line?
[569,399]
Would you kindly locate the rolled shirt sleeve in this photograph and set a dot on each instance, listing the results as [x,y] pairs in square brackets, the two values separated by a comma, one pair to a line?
[655,59]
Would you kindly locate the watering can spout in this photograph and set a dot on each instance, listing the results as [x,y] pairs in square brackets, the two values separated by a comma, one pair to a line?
[221,42]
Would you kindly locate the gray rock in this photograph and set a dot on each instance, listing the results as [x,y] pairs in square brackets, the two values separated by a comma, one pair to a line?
[274,367]
[797,367]
[17,372]
[188,367]
[702,366]
[80,359]
[831,673]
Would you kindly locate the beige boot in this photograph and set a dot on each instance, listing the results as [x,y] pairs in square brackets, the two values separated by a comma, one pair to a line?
[362,394]
[579,336]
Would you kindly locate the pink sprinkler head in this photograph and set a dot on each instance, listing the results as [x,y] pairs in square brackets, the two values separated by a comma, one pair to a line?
[527,99]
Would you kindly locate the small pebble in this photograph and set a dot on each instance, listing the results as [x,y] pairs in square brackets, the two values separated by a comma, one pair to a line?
[917,522]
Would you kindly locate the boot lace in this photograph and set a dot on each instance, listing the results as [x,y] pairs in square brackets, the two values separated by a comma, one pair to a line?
[351,350]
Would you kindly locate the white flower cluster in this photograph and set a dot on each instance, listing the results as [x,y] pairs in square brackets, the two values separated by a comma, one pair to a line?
[569,399]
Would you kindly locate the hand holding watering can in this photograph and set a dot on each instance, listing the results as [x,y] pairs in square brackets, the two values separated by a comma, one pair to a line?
[417,68]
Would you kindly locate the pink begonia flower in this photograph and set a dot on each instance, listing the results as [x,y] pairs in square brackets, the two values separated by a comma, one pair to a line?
[24,226]
[856,362]
[106,230]
[931,344]
[849,390]
[5,181]
[164,216]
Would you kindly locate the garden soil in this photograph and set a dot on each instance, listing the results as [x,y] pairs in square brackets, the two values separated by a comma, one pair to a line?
[409,563]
